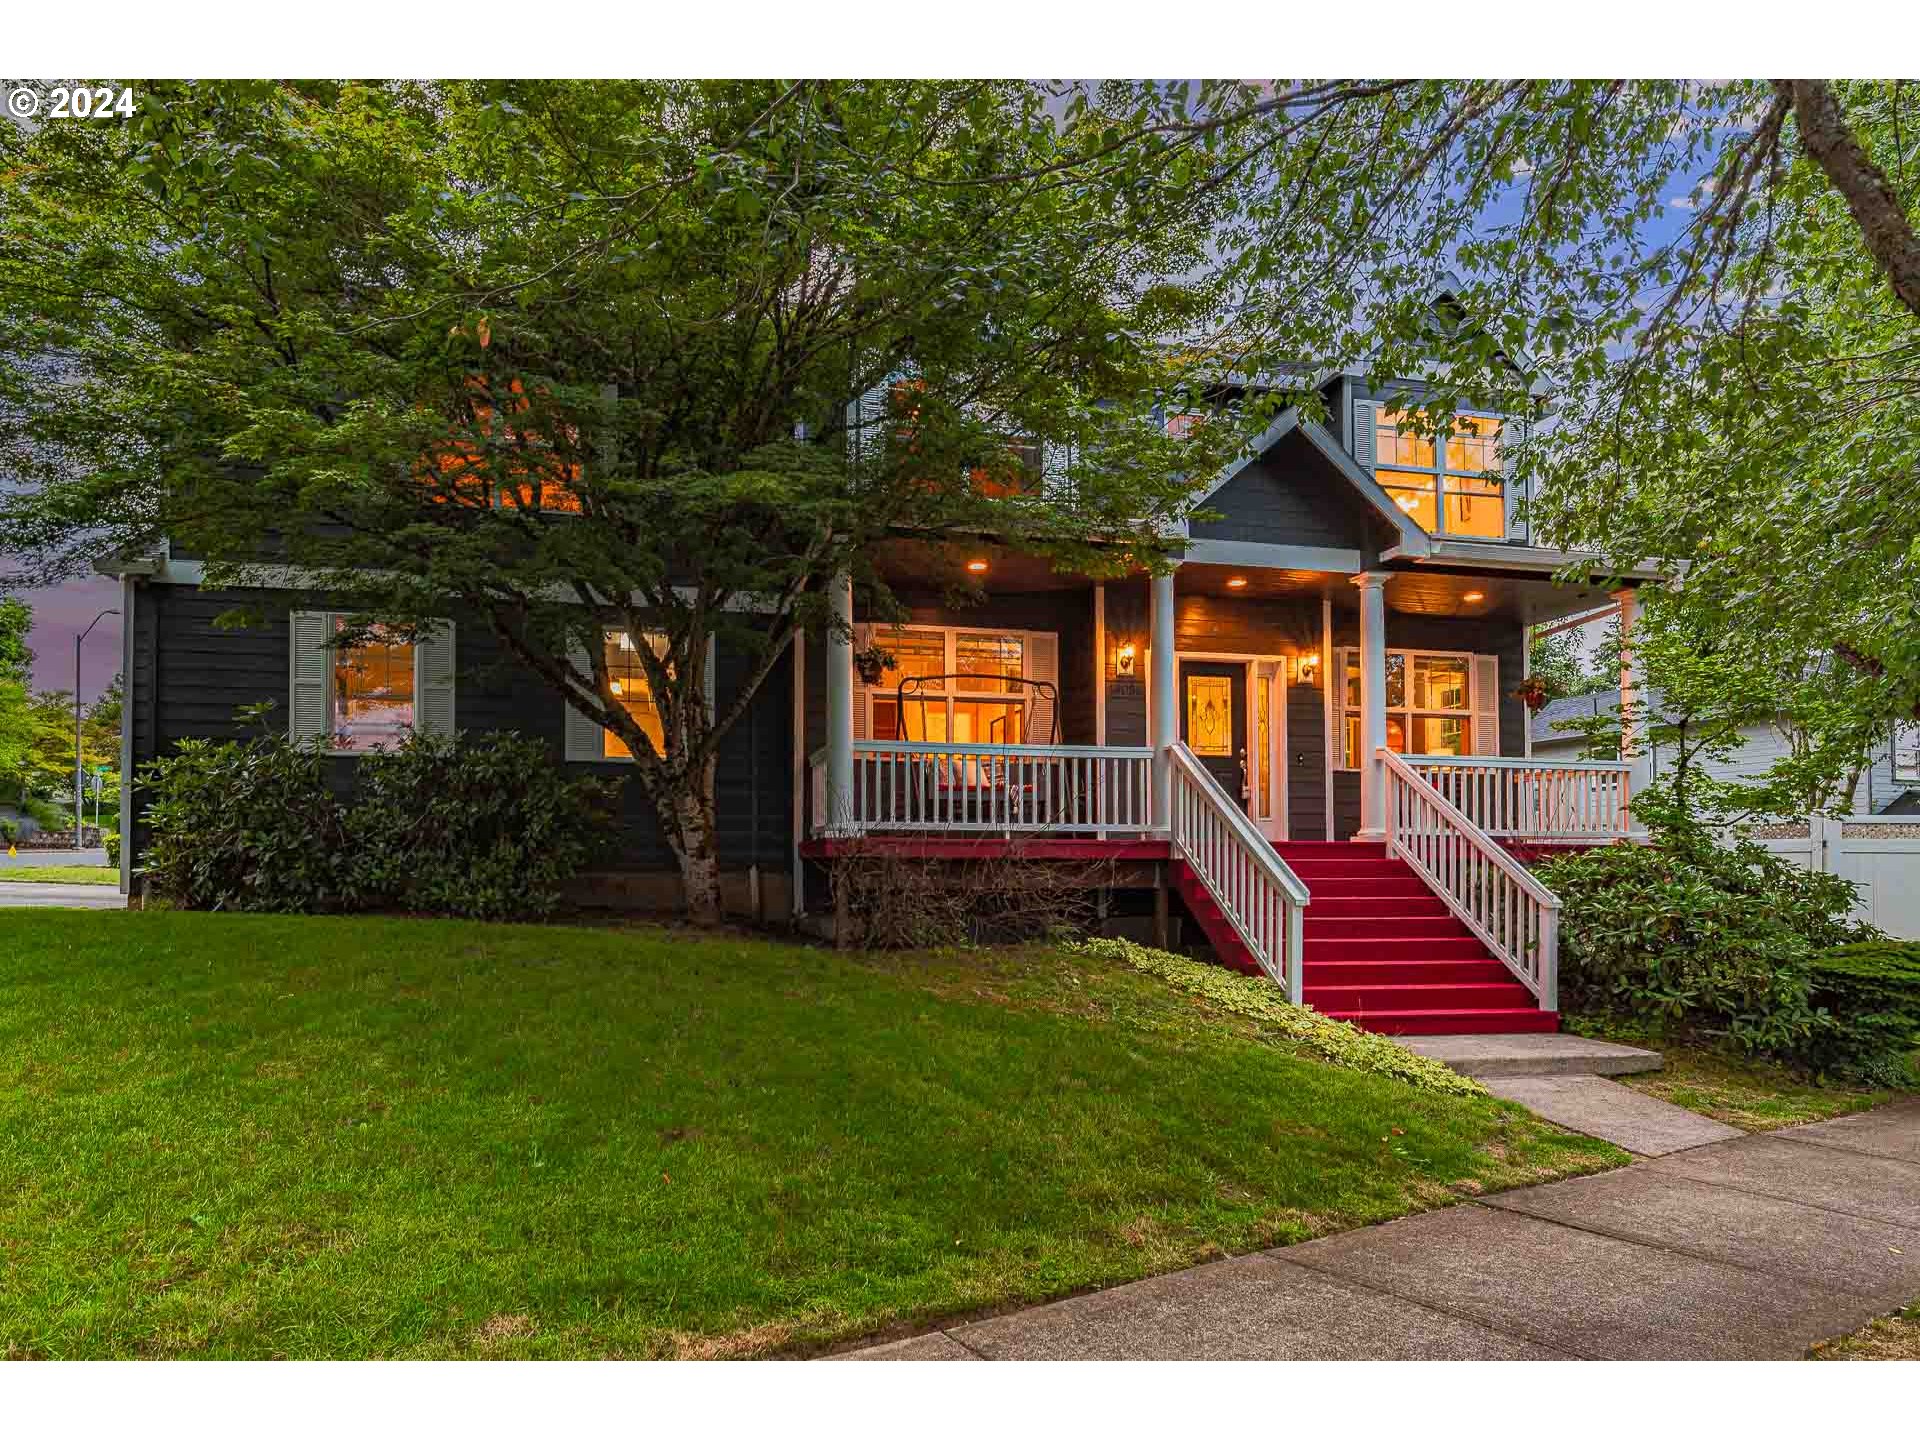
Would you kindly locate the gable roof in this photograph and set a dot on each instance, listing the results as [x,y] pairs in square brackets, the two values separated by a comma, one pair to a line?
[1412,539]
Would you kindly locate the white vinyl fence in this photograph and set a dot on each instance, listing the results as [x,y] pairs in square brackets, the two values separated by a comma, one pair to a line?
[1880,854]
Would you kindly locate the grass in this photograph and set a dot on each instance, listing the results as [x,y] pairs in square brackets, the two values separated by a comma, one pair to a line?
[1891,1337]
[250,1136]
[1745,1093]
[63,874]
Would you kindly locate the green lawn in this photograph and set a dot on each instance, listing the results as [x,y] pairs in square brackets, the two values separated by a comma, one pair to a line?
[1745,1093]
[63,874]
[250,1136]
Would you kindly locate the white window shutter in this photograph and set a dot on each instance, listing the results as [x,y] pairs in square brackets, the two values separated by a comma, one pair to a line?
[862,638]
[310,663]
[1366,415]
[1486,704]
[1056,462]
[433,667]
[1517,529]
[867,421]
[1043,663]
[585,740]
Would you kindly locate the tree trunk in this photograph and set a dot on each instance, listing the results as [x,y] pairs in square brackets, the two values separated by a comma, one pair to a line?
[695,846]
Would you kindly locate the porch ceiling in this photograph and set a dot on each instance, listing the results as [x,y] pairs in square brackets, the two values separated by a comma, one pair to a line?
[927,565]
[1261,584]
[1524,599]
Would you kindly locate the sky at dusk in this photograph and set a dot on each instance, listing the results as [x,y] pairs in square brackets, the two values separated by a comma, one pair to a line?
[61,613]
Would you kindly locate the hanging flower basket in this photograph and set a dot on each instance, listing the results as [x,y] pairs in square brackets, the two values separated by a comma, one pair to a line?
[1532,693]
[868,664]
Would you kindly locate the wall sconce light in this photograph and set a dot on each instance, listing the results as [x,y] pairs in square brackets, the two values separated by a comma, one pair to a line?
[1123,661]
[1474,597]
[1307,667]
[1238,582]
[976,567]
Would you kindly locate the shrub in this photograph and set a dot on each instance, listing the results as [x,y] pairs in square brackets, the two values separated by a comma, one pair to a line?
[9,829]
[245,826]
[481,826]
[477,826]
[1261,1001]
[895,902]
[1871,992]
[1700,936]
[111,840]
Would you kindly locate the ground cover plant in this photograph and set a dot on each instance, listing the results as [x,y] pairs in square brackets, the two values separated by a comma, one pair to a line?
[255,1135]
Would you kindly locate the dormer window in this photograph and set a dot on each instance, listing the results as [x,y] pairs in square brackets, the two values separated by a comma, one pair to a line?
[1450,488]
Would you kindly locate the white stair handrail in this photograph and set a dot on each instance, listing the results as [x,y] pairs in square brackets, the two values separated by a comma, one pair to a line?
[1255,889]
[1497,897]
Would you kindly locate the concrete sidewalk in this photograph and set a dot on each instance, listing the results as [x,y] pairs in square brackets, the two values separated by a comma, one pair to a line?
[1750,1248]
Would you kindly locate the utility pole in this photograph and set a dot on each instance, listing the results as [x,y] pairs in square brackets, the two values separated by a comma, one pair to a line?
[79,761]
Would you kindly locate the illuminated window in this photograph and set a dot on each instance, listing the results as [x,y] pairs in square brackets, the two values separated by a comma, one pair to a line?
[373,695]
[1453,488]
[970,692]
[1428,704]
[628,680]
[1210,714]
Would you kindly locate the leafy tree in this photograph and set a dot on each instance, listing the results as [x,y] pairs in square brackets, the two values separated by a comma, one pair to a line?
[1558,662]
[16,621]
[572,357]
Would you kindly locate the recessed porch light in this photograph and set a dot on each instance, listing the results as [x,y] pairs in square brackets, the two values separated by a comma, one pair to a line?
[977,567]
[1238,582]
[1474,596]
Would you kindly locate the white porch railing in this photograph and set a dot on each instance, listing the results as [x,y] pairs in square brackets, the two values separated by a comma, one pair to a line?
[1255,889]
[909,786]
[1533,799]
[1513,913]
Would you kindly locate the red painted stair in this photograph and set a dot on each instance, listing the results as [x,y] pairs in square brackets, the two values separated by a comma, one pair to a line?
[1382,951]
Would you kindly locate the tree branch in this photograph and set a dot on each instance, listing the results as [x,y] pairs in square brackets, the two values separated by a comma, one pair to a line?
[1870,197]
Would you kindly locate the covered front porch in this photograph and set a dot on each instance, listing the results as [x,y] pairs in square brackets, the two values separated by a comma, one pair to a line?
[1012,701]
[1228,725]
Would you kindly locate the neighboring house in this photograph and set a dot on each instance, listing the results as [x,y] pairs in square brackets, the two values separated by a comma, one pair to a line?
[1889,781]
[1359,590]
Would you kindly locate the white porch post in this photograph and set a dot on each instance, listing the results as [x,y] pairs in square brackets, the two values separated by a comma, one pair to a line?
[840,707]
[1633,725]
[1163,726]
[1373,704]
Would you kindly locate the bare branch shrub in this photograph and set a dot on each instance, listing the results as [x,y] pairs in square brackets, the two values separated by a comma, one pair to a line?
[901,902]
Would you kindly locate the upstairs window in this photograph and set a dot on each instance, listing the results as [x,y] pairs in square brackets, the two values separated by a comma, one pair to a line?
[1449,485]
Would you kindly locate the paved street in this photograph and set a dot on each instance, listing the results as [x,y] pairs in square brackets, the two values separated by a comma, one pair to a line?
[53,857]
[19,894]
[1748,1248]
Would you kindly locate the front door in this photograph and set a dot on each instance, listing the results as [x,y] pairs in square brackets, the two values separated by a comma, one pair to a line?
[1213,720]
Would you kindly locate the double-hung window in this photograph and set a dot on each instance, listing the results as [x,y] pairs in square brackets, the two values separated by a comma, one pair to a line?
[1430,704]
[1449,485]
[371,697]
[373,694]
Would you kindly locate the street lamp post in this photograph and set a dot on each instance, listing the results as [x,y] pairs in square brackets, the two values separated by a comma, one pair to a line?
[79,757]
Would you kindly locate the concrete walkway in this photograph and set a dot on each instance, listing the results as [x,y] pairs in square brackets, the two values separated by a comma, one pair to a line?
[1749,1248]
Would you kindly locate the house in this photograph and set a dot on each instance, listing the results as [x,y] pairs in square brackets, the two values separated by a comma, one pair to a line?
[1889,781]
[1304,740]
